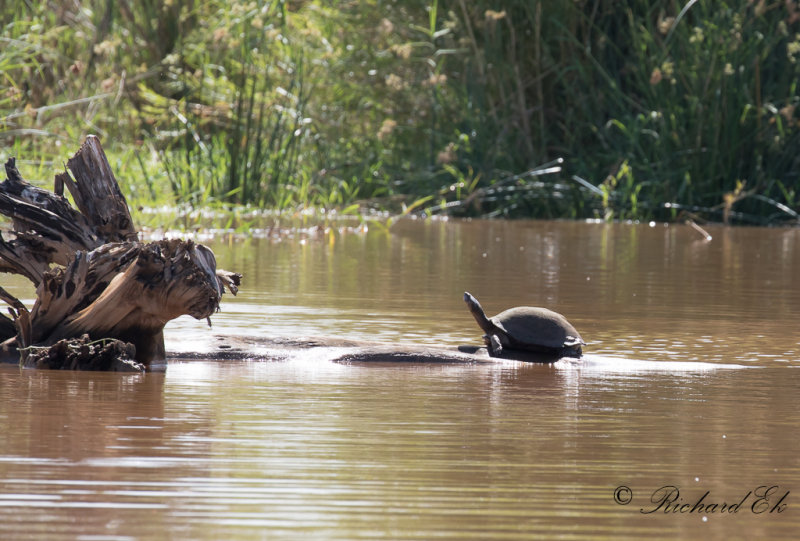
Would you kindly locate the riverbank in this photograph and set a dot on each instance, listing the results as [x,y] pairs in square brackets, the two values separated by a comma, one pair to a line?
[576,110]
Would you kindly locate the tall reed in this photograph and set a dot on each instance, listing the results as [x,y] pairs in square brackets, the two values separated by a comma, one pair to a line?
[691,104]
[655,108]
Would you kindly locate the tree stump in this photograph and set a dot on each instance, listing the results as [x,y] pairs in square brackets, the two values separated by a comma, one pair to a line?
[96,283]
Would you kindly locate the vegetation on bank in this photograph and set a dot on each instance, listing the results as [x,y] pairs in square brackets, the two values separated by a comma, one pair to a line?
[623,109]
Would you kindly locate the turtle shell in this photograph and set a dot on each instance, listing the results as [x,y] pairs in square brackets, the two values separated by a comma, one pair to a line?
[537,328]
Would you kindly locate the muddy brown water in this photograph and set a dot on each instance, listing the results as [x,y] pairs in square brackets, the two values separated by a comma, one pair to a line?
[680,421]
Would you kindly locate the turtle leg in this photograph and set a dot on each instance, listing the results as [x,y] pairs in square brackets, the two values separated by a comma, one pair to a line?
[495,347]
[572,351]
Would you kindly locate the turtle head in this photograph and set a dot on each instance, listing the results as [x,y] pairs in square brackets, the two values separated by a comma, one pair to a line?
[472,302]
[477,312]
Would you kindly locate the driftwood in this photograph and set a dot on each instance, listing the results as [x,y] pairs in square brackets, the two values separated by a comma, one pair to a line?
[85,354]
[92,275]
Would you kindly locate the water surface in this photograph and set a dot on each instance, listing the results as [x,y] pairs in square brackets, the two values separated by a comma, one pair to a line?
[689,381]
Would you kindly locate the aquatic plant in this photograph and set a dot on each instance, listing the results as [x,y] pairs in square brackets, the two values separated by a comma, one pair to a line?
[661,105]
[656,109]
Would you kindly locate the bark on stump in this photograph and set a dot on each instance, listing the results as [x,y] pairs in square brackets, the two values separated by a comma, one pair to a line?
[96,284]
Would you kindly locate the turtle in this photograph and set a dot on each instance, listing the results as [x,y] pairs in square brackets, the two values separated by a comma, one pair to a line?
[527,328]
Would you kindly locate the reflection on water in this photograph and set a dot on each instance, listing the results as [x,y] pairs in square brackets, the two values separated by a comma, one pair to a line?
[689,381]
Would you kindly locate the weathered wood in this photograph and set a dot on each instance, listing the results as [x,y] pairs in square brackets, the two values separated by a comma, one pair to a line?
[127,291]
[93,277]
[46,228]
[8,328]
[97,194]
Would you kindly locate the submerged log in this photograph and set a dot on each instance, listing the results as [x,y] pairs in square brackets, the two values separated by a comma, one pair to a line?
[93,277]
[84,354]
[342,350]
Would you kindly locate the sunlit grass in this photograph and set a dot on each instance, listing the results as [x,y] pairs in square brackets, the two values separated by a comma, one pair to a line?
[659,109]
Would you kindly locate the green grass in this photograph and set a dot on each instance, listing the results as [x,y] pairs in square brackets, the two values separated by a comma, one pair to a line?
[657,110]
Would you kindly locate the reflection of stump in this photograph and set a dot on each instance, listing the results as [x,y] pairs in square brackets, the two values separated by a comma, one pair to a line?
[104,283]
